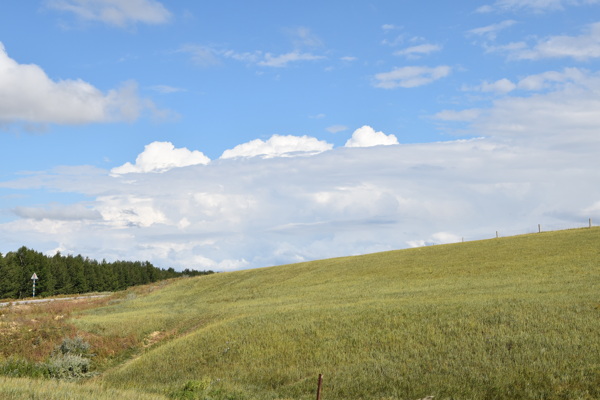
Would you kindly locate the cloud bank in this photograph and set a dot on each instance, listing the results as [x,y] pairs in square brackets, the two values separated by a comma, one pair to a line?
[258,206]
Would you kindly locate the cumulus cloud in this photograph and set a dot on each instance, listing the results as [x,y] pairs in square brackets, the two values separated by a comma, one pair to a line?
[129,211]
[368,137]
[408,77]
[278,146]
[161,157]
[27,94]
[119,13]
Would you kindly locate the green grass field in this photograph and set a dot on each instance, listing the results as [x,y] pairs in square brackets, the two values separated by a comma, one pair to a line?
[509,318]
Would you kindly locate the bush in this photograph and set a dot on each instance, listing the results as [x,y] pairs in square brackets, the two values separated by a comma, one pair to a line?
[68,366]
[70,360]
[17,367]
[193,389]
[76,346]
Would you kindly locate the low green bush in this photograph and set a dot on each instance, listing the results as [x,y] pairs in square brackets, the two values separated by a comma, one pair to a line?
[68,366]
[18,367]
[70,360]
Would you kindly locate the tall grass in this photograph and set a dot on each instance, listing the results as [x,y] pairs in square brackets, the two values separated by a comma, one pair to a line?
[31,389]
[510,318]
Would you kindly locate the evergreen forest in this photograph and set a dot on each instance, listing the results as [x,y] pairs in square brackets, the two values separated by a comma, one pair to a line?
[63,275]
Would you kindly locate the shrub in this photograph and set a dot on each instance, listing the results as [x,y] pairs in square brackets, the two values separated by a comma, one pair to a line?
[18,367]
[194,389]
[68,366]
[70,360]
[76,346]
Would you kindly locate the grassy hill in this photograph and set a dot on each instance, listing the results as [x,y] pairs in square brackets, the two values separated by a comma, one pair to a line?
[509,318]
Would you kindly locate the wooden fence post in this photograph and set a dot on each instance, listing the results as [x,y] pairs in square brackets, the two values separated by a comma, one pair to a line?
[319,383]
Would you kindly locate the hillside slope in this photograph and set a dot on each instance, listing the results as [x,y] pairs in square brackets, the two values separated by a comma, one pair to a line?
[504,318]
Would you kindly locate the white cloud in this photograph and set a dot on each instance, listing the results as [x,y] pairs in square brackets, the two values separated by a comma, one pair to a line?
[336,128]
[549,80]
[58,212]
[408,77]
[461,115]
[208,56]
[490,32]
[119,13]
[419,50]
[537,163]
[161,157]
[436,238]
[240,213]
[552,79]
[367,137]
[129,211]
[583,47]
[501,86]
[29,95]
[278,146]
[389,27]
[203,56]
[534,5]
[166,89]
[553,109]
[283,60]
[304,37]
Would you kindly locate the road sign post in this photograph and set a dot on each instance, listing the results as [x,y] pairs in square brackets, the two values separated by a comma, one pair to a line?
[34,278]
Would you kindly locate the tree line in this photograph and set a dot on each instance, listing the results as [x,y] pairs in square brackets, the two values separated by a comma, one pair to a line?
[74,274]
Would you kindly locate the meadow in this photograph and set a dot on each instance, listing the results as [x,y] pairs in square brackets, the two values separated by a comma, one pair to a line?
[507,318]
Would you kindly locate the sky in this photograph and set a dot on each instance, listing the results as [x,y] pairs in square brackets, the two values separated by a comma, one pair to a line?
[234,134]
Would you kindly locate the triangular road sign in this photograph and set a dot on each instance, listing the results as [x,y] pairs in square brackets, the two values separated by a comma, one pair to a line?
[34,277]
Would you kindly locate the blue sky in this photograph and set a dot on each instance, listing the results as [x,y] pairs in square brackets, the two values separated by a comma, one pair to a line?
[230,135]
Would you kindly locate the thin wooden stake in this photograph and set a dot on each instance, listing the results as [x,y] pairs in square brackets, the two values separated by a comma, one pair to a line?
[320,382]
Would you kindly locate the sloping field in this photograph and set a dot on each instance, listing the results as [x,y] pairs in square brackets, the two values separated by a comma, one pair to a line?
[509,318]
[29,389]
